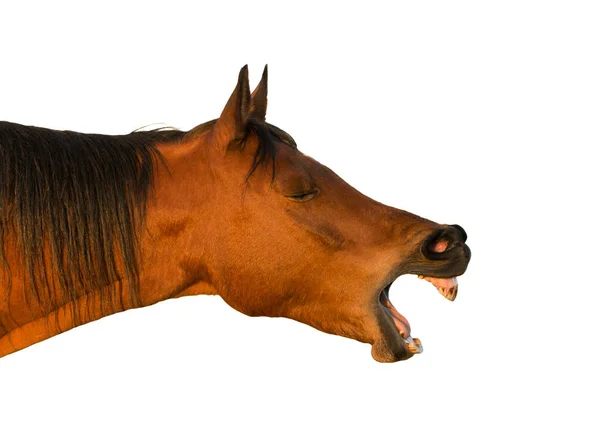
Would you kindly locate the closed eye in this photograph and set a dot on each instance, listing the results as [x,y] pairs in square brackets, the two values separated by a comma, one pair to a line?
[304,196]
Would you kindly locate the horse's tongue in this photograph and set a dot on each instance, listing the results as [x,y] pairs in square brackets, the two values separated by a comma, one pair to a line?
[448,287]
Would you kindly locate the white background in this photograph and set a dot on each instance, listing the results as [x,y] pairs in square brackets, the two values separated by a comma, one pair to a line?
[478,113]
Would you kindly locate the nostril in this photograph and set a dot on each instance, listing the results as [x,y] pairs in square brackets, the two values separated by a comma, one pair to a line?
[439,246]
[435,245]
[446,243]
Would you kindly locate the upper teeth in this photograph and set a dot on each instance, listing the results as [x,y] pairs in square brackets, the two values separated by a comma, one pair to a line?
[448,287]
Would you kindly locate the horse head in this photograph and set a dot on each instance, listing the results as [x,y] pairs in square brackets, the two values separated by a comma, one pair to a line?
[276,233]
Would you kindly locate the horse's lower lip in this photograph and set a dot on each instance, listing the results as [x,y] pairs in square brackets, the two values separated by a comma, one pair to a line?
[413,345]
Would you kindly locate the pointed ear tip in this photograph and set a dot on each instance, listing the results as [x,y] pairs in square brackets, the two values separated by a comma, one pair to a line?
[243,81]
[244,71]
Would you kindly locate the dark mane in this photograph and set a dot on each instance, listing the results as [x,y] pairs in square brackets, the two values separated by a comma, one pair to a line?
[72,204]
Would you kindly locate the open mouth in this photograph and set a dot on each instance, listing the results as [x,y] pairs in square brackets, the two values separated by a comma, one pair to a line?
[447,287]
[442,256]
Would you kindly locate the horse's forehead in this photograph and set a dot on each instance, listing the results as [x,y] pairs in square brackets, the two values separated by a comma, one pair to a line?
[295,165]
[293,158]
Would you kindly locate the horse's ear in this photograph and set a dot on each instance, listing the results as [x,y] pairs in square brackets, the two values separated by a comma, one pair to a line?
[258,103]
[232,124]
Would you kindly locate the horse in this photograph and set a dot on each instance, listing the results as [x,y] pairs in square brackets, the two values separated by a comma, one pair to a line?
[92,225]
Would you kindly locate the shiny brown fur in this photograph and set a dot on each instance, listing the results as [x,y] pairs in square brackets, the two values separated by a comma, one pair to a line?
[270,230]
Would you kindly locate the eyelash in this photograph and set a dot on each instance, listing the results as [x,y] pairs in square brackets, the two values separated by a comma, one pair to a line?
[304,196]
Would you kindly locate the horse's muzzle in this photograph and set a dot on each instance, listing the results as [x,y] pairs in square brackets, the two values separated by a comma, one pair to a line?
[442,257]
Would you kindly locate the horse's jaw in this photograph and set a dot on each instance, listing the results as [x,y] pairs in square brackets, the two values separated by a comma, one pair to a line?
[398,343]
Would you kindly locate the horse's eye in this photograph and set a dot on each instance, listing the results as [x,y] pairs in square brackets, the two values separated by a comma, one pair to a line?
[305,196]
